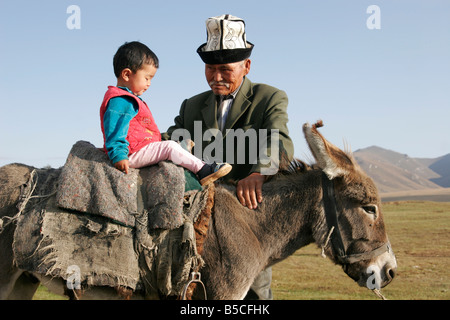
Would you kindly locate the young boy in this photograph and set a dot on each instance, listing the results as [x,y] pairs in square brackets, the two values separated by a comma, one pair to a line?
[131,136]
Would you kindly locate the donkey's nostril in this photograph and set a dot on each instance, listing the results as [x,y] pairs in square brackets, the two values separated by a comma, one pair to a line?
[390,273]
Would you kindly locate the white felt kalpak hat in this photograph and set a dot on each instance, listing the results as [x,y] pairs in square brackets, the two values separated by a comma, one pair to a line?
[226,41]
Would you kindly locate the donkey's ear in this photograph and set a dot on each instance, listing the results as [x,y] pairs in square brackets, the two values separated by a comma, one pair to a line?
[332,160]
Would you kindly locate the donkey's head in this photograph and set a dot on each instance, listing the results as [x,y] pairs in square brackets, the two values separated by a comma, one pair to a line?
[353,220]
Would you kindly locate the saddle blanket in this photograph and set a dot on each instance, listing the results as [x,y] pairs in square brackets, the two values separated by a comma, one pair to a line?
[89,183]
[57,242]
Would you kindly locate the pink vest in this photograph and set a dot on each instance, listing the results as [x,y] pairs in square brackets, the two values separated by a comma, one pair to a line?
[142,130]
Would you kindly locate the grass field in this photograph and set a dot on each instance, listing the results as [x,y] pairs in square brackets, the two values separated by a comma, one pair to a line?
[419,232]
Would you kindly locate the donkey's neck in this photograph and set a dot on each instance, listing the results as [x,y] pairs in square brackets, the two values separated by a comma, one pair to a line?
[291,214]
[242,242]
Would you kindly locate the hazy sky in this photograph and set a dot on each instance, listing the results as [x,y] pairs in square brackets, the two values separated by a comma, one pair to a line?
[387,85]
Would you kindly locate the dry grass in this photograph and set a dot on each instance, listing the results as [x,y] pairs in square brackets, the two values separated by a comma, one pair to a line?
[419,232]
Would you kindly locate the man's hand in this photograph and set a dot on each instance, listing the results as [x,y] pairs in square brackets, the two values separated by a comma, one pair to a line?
[249,190]
[122,165]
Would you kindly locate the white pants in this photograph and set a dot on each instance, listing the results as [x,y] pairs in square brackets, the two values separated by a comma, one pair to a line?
[165,150]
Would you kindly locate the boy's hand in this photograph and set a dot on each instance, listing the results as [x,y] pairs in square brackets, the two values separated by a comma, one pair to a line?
[122,165]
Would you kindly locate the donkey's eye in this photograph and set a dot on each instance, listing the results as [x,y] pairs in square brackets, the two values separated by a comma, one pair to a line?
[371,209]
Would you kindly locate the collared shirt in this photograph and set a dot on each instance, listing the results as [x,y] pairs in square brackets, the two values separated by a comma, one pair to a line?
[224,106]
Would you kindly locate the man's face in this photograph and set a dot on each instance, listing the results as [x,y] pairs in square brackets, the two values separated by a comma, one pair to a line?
[226,78]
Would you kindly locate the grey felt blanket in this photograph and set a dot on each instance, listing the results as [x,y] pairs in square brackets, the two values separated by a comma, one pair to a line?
[90,183]
[55,242]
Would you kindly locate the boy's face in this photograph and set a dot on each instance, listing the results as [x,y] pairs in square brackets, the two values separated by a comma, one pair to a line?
[139,81]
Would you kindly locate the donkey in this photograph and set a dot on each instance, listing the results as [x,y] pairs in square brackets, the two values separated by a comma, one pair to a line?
[332,203]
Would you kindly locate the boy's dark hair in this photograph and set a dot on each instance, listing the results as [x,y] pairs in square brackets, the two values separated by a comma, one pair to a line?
[133,55]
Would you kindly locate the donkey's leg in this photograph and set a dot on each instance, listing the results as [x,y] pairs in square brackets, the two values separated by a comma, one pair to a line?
[14,283]
[24,288]
[11,178]
[8,272]
[8,279]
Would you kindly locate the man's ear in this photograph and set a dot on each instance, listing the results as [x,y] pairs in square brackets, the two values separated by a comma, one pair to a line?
[247,65]
[126,73]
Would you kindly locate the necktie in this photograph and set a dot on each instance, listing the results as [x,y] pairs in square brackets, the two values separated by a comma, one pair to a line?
[222,111]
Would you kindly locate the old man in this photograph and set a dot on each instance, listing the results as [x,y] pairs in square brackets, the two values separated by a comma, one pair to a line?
[240,122]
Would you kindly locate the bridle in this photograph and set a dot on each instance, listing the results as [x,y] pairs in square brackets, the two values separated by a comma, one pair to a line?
[331,215]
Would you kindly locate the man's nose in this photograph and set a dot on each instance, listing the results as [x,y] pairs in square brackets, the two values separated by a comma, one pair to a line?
[218,77]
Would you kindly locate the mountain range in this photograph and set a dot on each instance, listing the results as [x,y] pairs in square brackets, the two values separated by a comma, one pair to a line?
[393,171]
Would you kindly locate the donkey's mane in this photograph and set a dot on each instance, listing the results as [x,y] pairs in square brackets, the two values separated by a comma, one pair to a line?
[295,166]
[286,168]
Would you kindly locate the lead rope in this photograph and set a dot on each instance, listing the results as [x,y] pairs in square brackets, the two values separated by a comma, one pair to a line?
[326,242]
[23,200]
[378,293]
[24,197]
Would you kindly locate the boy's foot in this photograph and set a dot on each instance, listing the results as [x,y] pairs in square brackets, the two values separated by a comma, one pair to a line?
[211,172]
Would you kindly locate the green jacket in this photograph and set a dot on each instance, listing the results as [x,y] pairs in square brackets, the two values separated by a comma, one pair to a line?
[256,106]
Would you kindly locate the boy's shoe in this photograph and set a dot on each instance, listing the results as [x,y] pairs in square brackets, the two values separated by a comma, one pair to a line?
[211,172]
